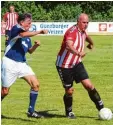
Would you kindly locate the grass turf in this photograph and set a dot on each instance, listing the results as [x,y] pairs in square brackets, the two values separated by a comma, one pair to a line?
[99,64]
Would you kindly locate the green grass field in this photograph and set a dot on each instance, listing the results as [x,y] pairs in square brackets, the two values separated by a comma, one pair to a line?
[99,64]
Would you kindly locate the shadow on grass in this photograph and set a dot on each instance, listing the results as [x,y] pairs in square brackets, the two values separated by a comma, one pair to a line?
[2,50]
[14,118]
[87,117]
[96,118]
[46,114]
[91,117]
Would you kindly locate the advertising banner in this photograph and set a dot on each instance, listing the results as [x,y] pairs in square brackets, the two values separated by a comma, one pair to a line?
[59,28]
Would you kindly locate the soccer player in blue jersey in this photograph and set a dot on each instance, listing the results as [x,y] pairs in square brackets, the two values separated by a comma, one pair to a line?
[14,61]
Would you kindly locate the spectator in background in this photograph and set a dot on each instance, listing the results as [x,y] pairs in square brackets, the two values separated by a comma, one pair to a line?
[9,19]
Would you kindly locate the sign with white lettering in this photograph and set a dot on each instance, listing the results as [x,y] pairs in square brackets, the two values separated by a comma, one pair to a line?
[59,28]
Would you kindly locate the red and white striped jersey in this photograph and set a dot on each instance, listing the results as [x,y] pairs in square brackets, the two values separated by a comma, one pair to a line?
[65,58]
[10,19]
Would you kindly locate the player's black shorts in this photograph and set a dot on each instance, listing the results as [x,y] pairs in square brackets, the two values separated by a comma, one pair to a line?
[68,75]
[8,35]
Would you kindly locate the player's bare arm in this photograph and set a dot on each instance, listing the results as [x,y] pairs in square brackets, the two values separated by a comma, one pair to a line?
[30,34]
[69,46]
[90,41]
[3,21]
[33,48]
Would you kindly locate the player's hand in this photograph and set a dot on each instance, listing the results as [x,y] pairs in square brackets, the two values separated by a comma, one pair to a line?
[44,31]
[3,23]
[37,43]
[90,46]
[82,54]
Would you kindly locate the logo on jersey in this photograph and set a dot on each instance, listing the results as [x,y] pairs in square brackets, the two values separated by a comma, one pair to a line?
[72,29]
[24,43]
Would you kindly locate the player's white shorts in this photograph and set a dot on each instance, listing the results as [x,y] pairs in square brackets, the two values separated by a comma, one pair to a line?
[11,70]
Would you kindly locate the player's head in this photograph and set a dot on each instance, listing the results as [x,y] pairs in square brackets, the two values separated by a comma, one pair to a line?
[11,8]
[82,22]
[25,20]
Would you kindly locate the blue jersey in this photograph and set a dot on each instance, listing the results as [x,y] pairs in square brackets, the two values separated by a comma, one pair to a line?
[17,46]
[15,32]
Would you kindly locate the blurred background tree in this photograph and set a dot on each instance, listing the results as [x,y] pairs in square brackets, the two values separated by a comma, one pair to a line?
[62,10]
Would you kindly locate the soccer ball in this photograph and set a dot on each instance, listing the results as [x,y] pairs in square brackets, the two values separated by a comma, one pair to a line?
[105,114]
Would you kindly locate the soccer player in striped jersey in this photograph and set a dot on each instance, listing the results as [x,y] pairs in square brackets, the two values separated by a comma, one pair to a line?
[70,67]
[9,19]
[14,64]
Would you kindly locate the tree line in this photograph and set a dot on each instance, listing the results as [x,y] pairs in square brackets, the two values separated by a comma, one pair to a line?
[62,10]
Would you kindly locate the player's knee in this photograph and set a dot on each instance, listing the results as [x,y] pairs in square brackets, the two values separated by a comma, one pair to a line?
[34,83]
[89,87]
[69,91]
[5,91]
[35,86]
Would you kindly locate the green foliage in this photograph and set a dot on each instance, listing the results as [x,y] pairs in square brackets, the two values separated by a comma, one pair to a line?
[110,12]
[62,10]
[66,12]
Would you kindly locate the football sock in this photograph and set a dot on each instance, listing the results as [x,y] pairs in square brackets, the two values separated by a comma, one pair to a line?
[33,98]
[68,103]
[95,97]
